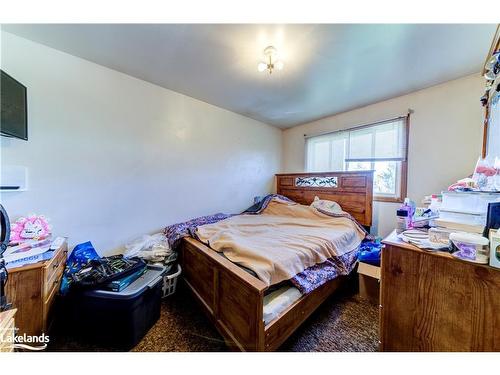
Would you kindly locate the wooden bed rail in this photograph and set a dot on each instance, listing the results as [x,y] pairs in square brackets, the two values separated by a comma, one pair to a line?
[237,271]
[217,283]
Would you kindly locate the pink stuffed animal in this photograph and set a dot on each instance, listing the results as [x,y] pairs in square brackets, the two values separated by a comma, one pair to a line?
[33,227]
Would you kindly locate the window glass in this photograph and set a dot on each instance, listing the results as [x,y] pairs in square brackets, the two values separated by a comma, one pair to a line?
[380,147]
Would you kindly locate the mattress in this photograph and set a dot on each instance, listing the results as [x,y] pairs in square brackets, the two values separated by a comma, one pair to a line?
[278,301]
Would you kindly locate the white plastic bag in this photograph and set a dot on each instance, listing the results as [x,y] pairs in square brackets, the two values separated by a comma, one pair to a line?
[485,174]
[148,247]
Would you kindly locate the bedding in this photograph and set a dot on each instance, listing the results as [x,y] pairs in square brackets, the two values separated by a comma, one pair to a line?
[283,240]
[176,232]
[305,281]
[317,275]
[327,206]
[278,301]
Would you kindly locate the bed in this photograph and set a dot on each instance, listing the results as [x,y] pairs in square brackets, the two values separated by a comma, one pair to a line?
[234,299]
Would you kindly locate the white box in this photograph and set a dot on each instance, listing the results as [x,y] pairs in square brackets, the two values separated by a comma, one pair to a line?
[473,202]
[463,217]
[495,248]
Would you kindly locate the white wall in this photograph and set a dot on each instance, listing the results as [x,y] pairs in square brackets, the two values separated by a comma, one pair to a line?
[445,138]
[111,157]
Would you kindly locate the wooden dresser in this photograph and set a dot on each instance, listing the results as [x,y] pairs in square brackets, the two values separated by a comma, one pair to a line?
[7,330]
[435,302]
[32,289]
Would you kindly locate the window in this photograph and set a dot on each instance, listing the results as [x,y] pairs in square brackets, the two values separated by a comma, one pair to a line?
[381,147]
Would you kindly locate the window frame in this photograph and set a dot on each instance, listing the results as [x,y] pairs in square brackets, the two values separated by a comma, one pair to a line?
[403,183]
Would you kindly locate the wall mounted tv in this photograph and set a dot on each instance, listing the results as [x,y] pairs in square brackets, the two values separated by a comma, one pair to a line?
[14,110]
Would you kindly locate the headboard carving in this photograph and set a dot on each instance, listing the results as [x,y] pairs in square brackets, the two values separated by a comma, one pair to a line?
[352,190]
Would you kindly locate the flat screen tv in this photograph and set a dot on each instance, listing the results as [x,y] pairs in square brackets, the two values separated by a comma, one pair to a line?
[14,113]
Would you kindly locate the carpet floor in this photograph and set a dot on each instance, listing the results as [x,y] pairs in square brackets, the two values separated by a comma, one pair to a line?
[344,322]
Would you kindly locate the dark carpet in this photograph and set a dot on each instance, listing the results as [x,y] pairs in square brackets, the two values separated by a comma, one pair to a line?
[344,322]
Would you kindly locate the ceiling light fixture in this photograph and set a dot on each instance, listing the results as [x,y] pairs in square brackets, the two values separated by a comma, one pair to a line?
[270,63]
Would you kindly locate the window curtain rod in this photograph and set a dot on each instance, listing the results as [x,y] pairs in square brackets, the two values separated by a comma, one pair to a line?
[410,111]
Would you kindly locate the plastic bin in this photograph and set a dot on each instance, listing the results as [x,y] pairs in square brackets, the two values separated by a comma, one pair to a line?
[170,282]
[117,319]
[470,247]
[463,217]
[468,202]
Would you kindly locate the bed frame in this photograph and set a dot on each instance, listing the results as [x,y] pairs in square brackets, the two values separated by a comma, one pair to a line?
[233,299]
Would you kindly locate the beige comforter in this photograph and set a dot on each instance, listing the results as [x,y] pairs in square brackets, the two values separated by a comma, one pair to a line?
[285,239]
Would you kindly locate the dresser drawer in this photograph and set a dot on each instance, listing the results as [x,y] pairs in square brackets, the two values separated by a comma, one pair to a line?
[53,283]
[53,271]
[57,259]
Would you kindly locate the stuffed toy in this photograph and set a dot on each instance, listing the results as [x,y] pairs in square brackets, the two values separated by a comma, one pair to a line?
[33,227]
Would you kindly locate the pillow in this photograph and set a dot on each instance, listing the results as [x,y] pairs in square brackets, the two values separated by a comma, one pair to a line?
[330,207]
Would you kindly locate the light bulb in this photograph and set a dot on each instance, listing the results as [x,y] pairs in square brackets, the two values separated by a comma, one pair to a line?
[270,51]
[261,66]
[279,64]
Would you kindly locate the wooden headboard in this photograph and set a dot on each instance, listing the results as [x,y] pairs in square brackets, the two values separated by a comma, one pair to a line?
[352,190]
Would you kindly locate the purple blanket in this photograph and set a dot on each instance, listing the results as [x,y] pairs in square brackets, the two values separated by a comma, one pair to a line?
[315,276]
[305,281]
[178,231]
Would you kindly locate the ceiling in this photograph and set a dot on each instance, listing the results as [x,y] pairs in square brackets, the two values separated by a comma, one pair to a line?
[328,68]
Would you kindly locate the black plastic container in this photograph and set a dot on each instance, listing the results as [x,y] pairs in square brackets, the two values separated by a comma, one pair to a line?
[117,319]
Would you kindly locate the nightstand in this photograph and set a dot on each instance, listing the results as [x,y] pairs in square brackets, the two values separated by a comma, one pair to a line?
[31,289]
